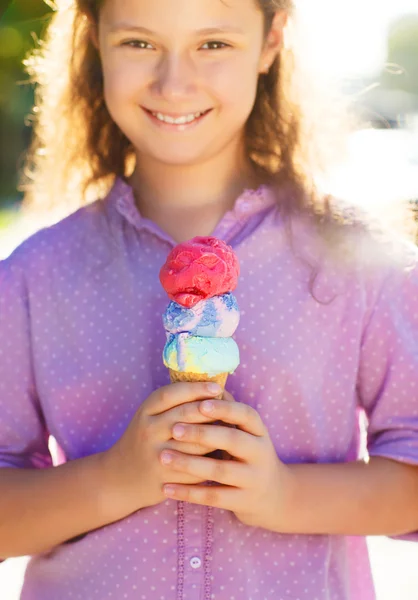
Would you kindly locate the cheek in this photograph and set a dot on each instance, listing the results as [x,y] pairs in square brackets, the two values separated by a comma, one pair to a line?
[122,80]
[235,84]
[121,97]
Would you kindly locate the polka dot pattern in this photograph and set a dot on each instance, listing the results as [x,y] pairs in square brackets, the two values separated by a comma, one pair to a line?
[82,338]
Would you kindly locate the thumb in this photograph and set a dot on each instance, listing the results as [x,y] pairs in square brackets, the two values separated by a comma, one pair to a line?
[170,396]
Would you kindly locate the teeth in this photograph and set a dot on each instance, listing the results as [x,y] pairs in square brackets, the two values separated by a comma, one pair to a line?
[180,120]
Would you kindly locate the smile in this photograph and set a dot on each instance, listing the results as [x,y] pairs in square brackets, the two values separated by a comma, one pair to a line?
[180,121]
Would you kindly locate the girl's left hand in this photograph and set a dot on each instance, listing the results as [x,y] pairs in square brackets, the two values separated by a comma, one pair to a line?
[255,484]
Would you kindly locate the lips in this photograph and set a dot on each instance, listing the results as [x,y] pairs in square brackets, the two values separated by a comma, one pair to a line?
[177,115]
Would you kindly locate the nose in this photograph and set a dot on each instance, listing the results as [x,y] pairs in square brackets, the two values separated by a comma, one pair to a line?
[175,77]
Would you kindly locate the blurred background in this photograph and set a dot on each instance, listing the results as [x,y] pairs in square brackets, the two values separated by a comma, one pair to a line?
[367,48]
[370,49]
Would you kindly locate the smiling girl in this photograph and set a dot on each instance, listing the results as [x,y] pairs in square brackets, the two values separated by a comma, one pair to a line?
[182,118]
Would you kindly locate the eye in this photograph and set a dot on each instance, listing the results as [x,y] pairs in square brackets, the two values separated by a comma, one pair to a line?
[215,45]
[141,44]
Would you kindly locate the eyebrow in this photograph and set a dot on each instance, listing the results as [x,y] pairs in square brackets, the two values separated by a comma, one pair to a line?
[207,31]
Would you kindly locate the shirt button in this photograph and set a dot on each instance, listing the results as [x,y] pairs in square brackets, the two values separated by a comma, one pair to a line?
[195,562]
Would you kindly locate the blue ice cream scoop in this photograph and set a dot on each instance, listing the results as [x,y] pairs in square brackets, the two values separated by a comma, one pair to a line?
[216,317]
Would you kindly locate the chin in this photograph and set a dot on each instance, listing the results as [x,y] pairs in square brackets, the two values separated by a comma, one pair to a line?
[178,158]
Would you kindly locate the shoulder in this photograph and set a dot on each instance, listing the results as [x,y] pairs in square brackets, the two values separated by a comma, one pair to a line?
[75,235]
[381,256]
[350,247]
[356,239]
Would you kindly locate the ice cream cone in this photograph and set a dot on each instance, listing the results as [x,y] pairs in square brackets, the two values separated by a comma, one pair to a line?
[176,376]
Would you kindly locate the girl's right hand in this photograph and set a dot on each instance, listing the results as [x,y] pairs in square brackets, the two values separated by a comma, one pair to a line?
[133,471]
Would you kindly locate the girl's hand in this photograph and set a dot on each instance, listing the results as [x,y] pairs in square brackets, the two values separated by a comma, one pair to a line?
[133,474]
[256,485]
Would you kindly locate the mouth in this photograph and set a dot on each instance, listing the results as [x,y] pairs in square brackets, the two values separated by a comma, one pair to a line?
[177,121]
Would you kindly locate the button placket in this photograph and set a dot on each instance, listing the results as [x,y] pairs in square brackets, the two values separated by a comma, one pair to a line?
[194,531]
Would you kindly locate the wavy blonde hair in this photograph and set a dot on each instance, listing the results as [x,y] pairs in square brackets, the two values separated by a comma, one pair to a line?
[293,134]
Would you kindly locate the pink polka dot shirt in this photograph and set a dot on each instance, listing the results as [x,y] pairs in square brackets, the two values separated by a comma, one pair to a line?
[81,347]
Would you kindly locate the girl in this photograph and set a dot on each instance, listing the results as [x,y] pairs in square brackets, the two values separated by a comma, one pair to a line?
[184,115]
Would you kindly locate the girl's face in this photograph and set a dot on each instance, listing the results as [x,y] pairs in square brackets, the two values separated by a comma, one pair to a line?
[180,77]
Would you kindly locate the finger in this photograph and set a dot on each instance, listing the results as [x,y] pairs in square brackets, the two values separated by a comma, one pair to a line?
[187,447]
[235,413]
[178,393]
[187,479]
[228,396]
[208,495]
[227,472]
[162,424]
[239,444]
[188,412]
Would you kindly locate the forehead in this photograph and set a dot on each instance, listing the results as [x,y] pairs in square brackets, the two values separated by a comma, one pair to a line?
[172,15]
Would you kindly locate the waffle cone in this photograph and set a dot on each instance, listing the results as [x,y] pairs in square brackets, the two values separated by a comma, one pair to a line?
[176,376]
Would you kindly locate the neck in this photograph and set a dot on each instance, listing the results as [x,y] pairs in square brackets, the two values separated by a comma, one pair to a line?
[186,201]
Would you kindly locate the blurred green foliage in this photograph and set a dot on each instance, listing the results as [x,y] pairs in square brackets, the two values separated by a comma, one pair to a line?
[403,54]
[21,25]
[7,217]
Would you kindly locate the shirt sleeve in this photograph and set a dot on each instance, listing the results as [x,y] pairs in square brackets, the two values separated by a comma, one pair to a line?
[388,372]
[23,433]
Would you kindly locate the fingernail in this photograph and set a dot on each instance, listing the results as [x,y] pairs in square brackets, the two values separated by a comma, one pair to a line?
[169,490]
[208,406]
[166,459]
[214,388]
[179,431]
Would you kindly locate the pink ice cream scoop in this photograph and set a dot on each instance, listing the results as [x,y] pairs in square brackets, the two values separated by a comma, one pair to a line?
[200,269]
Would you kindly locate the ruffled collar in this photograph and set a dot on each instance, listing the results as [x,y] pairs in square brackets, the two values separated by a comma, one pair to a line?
[249,203]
